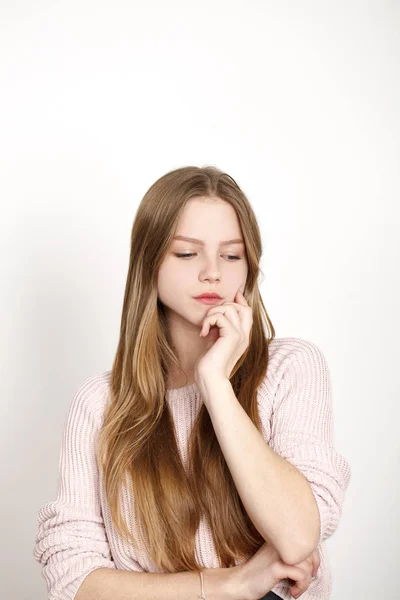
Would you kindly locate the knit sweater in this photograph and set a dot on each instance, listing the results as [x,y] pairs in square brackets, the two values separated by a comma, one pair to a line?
[75,534]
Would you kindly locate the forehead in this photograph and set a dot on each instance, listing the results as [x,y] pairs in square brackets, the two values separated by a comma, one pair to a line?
[208,220]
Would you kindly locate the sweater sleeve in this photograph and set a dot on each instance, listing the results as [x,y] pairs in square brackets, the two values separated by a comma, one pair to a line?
[302,431]
[71,541]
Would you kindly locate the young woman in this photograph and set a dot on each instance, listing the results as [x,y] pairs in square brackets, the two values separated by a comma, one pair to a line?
[202,464]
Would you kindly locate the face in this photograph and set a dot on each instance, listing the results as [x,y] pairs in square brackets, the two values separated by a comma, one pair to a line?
[208,267]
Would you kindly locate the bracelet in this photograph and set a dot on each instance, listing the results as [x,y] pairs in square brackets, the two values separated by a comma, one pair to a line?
[202,586]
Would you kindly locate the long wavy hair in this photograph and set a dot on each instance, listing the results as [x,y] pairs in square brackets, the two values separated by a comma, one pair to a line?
[137,442]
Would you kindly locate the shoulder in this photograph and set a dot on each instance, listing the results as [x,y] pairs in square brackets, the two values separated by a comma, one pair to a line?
[92,395]
[285,350]
[289,358]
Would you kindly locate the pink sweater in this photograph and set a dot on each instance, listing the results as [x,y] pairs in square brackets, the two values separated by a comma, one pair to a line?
[75,534]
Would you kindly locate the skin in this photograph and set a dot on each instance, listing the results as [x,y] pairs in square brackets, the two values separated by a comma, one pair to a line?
[210,268]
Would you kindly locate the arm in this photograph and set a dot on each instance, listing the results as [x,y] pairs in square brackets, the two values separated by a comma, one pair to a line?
[71,541]
[294,490]
[103,584]
[302,431]
[277,497]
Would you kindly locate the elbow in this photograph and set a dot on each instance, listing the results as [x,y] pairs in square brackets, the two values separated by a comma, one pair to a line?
[294,551]
[295,554]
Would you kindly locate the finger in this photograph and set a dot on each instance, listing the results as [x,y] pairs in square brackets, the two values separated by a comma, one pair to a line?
[300,587]
[302,583]
[316,562]
[241,298]
[221,321]
[300,579]
[230,312]
[244,313]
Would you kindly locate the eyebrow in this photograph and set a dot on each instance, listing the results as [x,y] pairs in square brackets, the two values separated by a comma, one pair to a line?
[196,241]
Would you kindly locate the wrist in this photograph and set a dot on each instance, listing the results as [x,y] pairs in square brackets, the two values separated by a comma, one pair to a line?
[208,382]
[239,583]
[210,375]
[224,584]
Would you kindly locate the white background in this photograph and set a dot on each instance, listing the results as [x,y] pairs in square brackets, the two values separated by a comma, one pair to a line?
[299,102]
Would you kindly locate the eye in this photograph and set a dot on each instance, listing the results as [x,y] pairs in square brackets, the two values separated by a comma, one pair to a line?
[189,255]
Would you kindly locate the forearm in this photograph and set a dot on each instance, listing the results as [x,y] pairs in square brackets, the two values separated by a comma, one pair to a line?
[277,497]
[107,584]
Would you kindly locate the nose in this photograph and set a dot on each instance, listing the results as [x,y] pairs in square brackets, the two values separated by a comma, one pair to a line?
[210,275]
[211,270]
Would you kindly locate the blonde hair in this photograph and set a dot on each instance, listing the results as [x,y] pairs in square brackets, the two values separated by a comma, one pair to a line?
[137,439]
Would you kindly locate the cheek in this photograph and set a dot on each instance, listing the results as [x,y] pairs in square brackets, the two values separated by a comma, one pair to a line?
[170,284]
[170,275]
[235,277]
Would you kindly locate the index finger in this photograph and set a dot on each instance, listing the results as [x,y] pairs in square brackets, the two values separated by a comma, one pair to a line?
[316,562]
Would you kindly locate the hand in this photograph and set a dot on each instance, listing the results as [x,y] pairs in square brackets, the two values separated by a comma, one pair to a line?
[228,326]
[312,562]
[260,573]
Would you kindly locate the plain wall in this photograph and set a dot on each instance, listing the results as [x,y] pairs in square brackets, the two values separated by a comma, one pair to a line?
[299,102]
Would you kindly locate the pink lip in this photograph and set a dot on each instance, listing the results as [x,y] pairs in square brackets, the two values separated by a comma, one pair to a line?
[209,300]
[208,295]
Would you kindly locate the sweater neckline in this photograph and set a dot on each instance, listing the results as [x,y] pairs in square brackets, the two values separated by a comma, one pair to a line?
[186,391]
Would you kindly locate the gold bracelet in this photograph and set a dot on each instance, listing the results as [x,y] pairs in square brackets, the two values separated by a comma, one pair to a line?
[202,586]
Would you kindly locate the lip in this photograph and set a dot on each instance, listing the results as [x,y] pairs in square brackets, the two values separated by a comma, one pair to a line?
[209,300]
[208,295]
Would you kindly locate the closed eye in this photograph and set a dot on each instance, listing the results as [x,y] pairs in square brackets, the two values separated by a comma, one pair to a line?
[189,255]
